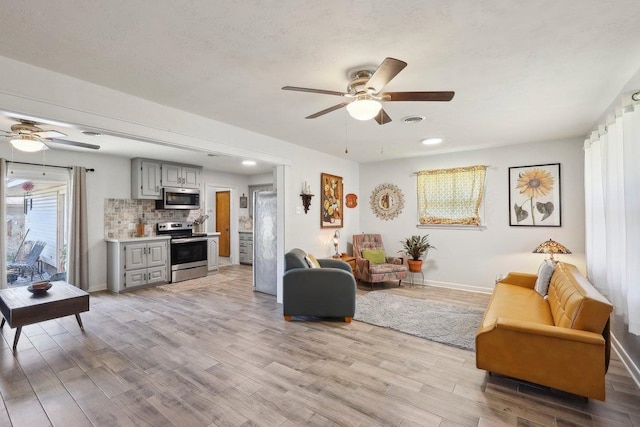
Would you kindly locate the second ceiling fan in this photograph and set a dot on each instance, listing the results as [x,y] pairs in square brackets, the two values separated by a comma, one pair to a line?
[365,91]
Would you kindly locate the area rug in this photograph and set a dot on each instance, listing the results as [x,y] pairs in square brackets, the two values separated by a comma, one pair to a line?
[447,324]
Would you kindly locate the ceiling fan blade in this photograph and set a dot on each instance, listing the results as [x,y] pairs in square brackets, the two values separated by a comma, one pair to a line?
[74,143]
[306,89]
[389,68]
[417,96]
[328,110]
[382,117]
[50,134]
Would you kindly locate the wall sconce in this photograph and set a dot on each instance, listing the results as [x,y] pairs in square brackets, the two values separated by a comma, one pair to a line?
[336,241]
[306,196]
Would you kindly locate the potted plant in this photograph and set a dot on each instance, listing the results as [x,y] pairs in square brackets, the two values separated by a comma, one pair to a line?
[415,247]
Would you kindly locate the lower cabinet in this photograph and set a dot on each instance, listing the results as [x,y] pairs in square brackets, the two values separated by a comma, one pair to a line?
[246,248]
[212,253]
[134,264]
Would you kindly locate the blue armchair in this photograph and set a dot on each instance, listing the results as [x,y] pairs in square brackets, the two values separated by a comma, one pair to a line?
[329,291]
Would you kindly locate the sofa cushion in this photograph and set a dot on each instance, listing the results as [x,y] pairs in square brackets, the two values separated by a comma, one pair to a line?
[386,268]
[575,303]
[519,303]
[375,256]
[312,261]
[545,271]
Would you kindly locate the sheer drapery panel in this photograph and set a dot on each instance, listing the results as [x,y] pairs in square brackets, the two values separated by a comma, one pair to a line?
[612,213]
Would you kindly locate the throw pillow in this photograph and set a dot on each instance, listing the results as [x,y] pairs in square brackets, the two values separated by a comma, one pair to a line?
[312,261]
[544,277]
[375,256]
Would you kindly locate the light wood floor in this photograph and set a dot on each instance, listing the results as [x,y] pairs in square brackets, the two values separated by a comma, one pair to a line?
[222,355]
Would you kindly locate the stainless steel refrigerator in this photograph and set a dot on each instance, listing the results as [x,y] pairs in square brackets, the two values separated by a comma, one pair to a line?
[264,242]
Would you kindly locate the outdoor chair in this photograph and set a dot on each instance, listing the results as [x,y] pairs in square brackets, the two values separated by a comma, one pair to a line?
[29,264]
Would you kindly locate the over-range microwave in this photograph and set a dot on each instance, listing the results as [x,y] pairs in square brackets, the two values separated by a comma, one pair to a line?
[179,198]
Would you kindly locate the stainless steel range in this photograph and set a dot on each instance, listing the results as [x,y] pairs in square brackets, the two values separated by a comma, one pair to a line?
[188,253]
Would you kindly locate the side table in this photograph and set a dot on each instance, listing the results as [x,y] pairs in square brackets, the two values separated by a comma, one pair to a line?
[20,307]
[351,260]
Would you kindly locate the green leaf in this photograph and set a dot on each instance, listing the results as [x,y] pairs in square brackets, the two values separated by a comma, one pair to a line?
[521,214]
[546,209]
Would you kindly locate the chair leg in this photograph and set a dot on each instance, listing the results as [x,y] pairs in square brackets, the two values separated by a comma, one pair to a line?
[347,319]
[399,282]
[287,318]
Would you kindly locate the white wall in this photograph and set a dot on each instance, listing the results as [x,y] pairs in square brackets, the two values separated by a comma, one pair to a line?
[468,258]
[42,93]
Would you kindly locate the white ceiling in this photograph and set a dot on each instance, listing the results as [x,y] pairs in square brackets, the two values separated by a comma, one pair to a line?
[522,71]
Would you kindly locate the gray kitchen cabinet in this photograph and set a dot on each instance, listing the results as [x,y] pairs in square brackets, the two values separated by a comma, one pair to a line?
[184,176]
[212,252]
[146,179]
[135,263]
[246,247]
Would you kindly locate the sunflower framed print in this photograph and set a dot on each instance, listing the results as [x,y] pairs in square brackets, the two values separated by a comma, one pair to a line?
[534,195]
[331,208]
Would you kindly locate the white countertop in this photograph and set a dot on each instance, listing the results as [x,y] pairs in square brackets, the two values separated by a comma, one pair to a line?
[127,239]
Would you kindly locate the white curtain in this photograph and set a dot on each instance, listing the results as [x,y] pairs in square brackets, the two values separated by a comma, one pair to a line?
[612,196]
[3,224]
[78,238]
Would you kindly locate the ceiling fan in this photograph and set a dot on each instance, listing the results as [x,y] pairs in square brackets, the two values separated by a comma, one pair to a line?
[365,90]
[26,136]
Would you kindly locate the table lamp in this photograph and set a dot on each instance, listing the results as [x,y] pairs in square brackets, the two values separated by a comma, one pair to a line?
[336,240]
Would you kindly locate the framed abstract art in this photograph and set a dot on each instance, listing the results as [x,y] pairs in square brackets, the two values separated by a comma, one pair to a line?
[331,208]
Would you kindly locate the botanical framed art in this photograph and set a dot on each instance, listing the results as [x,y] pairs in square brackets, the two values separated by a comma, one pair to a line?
[331,209]
[534,195]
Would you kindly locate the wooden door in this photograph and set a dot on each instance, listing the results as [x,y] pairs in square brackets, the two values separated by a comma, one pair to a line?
[223,224]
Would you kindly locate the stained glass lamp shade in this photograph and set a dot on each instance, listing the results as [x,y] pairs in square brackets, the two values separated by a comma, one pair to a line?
[551,247]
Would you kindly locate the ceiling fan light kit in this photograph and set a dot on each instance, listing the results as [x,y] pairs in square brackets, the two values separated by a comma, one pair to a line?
[27,143]
[365,90]
[26,136]
[364,109]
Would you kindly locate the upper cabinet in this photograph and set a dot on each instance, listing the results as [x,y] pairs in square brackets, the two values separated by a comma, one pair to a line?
[149,176]
[180,176]
[146,179]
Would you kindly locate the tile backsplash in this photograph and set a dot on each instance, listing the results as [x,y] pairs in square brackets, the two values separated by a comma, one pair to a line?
[120,213]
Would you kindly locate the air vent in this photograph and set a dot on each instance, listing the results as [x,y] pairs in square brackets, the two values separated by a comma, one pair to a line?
[412,119]
[91,133]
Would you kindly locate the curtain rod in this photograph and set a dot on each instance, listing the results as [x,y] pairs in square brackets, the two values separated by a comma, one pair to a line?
[50,166]
[461,167]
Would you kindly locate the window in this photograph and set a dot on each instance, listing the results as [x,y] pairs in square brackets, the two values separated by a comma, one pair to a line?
[36,215]
[451,196]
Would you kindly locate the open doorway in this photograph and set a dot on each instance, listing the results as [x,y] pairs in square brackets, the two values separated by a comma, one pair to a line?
[37,230]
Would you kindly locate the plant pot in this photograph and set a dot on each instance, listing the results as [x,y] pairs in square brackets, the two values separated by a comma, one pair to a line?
[415,266]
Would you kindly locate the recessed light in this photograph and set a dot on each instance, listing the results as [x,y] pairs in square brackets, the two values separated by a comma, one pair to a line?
[431,141]
[249,162]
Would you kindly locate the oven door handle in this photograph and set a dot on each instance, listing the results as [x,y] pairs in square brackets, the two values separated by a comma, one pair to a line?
[189,240]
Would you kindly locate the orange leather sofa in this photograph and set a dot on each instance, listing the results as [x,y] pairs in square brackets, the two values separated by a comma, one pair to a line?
[560,341]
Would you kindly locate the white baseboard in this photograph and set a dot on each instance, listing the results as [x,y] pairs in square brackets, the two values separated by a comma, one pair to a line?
[97,288]
[628,363]
[458,286]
